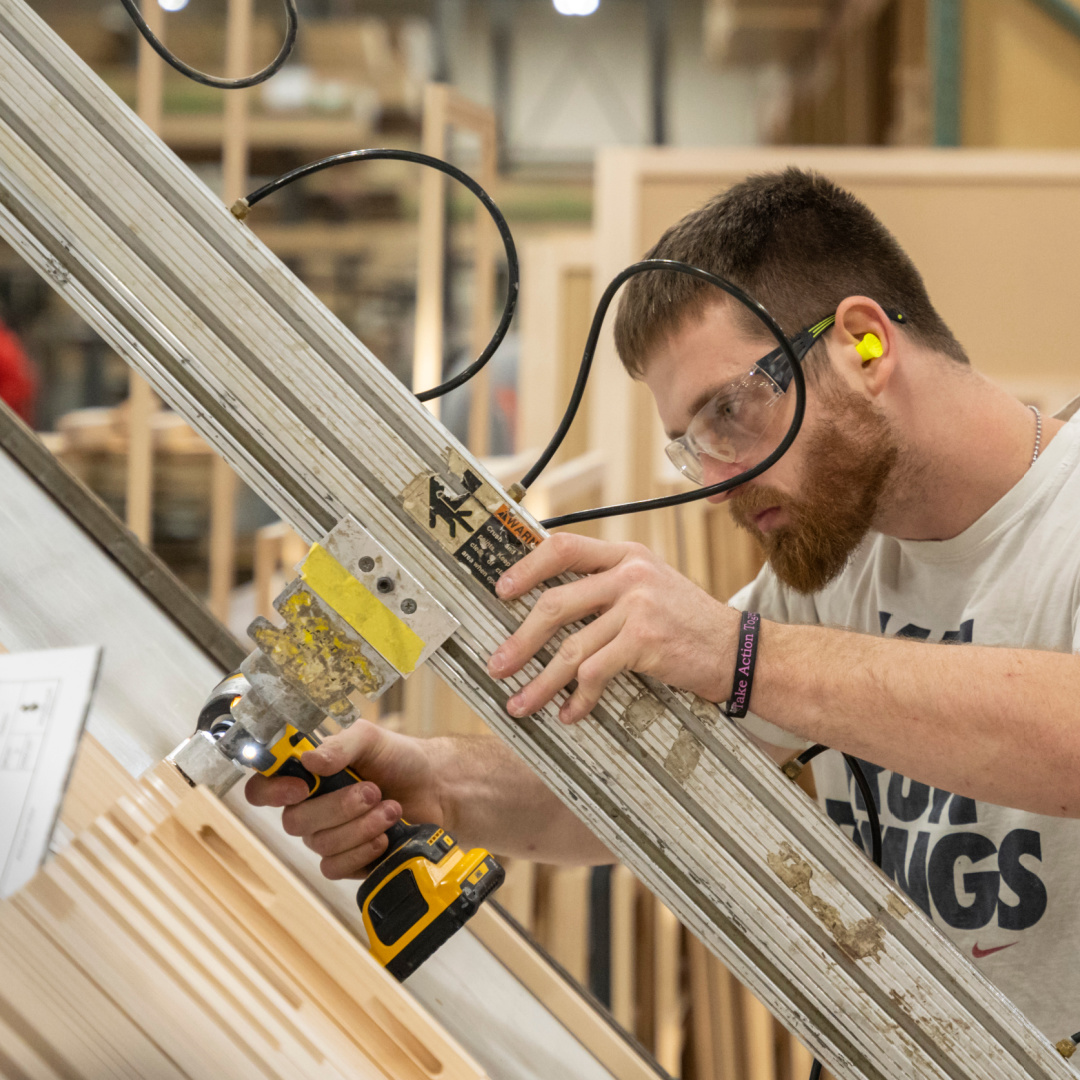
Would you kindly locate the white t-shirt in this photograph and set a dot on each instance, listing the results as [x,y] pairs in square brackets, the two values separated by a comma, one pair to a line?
[1002,884]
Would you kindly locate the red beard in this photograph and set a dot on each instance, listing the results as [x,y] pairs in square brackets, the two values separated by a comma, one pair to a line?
[849,457]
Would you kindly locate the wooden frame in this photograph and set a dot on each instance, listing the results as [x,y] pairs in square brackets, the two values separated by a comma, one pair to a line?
[235,145]
[143,402]
[556,307]
[556,311]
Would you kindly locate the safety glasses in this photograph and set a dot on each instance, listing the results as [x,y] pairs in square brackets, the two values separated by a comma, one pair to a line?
[744,420]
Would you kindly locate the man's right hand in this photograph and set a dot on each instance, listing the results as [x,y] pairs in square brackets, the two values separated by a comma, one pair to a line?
[348,827]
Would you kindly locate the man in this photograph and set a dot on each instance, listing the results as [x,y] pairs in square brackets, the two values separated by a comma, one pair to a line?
[920,507]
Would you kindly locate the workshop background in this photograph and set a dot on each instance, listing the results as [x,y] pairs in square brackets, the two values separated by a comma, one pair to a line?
[596,124]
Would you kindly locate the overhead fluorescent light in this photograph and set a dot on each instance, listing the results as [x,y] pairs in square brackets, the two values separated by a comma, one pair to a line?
[576,7]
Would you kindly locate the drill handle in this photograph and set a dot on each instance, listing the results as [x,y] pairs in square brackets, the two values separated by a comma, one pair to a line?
[334,782]
[316,785]
[396,835]
[288,752]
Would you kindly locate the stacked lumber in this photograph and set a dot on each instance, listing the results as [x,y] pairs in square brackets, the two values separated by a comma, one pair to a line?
[166,941]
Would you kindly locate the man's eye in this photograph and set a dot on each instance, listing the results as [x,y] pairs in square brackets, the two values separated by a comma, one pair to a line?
[728,409]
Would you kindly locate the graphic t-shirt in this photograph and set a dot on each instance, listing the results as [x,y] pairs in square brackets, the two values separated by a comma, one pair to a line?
[1002,884]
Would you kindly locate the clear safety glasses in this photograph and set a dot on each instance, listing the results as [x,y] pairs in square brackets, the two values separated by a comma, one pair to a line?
[743,421]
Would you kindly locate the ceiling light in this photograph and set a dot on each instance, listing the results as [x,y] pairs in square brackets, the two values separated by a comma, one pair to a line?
[172,5]
[576,7]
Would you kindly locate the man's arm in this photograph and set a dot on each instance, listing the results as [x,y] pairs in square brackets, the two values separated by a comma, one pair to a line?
[474,786]
[1000,725]
[996,724]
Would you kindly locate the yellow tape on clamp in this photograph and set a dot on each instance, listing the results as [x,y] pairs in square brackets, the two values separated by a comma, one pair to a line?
[362,610]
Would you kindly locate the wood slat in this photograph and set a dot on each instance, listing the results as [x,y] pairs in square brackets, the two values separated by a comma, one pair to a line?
[178,921]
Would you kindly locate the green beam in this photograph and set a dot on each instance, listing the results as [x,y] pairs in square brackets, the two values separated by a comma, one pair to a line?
[945,33]
[1063,13]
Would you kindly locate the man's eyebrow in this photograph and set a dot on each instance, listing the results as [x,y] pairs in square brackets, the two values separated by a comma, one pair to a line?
[697,405]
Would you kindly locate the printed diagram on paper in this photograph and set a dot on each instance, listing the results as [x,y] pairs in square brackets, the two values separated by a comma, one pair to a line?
[44,698]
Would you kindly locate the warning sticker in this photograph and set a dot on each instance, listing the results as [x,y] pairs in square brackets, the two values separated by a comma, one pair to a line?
[451,518]
[477,526]
[518,527]
[490,551]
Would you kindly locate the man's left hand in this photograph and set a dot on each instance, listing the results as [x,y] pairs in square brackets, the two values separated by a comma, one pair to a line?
[649,619]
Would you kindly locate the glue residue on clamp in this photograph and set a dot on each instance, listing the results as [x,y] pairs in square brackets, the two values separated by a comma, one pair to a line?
[642,713]
[313,656]
[897,908]
[683,757]
[865,939]
[706,711]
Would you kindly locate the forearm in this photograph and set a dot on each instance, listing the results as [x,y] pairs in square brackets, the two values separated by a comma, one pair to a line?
[996,724]
[493,799]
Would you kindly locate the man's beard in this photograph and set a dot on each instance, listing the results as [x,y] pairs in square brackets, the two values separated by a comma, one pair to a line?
[849,460]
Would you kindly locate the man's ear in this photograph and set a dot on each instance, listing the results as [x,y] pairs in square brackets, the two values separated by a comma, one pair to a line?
[864,344]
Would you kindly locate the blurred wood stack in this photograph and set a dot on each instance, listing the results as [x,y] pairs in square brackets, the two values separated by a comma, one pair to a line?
[96,445]
[166,941]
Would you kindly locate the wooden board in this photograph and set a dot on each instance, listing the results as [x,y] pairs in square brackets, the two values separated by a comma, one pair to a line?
[199,937]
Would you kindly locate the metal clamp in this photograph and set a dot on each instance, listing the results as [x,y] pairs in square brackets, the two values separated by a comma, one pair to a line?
[355,621]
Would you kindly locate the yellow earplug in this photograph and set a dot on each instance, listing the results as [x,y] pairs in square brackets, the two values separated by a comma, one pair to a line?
[869,348]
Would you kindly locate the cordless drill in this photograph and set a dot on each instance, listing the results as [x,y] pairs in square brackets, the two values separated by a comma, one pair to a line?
[419,892]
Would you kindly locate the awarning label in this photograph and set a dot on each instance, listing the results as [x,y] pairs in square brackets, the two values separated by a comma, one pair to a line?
[516,527]
[478,527]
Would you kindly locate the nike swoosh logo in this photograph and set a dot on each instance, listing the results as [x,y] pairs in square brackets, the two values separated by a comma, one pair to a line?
[980,953]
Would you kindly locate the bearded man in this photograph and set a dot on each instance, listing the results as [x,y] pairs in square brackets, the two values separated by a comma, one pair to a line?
[920,508]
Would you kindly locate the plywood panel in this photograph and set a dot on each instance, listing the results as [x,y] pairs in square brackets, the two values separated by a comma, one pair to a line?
[1020,85]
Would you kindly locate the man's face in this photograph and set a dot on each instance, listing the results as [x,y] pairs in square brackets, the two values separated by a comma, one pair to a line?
[813,508]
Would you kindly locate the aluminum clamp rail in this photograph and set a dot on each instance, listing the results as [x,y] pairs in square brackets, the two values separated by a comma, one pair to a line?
[96,203]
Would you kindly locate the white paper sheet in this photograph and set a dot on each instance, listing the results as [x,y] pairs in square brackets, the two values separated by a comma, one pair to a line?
[44,699]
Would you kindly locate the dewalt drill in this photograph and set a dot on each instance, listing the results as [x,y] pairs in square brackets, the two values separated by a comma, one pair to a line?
[422,889]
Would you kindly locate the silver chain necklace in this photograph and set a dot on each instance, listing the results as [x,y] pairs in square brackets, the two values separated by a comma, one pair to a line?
[1038,434]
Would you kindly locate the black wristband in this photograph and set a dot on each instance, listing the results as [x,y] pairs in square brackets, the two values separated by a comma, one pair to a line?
[745,659]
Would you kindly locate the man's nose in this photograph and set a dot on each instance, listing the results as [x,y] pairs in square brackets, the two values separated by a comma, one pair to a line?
[716,472]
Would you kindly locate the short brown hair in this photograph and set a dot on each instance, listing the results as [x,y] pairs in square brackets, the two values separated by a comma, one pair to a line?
[794,241]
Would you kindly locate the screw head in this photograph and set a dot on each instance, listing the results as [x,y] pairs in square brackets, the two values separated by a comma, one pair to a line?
[367,564]
[385,584]
[408,606]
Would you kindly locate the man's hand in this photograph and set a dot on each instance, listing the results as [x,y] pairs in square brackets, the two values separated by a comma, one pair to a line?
[649,619]
[348,827]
